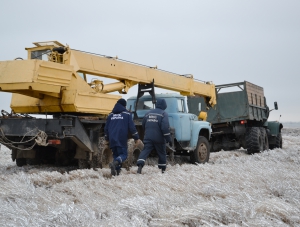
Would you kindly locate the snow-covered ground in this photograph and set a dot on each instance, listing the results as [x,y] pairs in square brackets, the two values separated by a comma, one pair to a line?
[233,189]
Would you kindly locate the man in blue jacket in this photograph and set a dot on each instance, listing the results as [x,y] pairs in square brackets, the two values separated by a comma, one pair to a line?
[117,126]
[157,133]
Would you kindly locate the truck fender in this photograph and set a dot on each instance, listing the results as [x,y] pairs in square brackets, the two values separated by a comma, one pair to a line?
[274,128]
[199,128]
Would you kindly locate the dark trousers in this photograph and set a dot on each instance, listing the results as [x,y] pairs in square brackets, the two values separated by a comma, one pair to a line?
[120,155]
[160,149]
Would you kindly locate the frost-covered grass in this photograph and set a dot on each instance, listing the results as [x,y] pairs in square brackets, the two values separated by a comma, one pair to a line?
[233,189]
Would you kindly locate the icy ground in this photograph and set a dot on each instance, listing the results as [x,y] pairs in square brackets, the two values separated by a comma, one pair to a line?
[233,189]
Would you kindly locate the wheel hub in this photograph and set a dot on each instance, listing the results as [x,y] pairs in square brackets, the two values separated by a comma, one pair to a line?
[202,151]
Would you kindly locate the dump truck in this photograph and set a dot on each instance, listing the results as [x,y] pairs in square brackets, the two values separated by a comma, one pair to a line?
[240,118]
[58,115]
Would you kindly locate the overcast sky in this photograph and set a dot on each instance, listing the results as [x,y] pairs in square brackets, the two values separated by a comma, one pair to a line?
[220,41]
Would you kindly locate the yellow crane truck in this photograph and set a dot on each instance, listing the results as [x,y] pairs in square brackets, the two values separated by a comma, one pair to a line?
[53,82]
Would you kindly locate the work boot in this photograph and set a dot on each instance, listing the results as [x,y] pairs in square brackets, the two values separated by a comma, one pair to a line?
[112,166]
[118,172]
[163,170]
[139,169]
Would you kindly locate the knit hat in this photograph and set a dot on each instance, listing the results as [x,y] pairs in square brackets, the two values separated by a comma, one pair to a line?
[122,102]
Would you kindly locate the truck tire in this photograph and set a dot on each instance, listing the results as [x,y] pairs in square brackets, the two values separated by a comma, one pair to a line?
[21,162]
[107,157]
[133,154]
[264,138]
[254,141]
[202,151]
[278,143]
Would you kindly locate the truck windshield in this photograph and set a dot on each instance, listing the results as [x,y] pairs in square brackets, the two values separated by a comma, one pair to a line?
[145,105]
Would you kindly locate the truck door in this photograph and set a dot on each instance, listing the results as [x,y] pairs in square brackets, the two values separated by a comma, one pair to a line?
[185,121]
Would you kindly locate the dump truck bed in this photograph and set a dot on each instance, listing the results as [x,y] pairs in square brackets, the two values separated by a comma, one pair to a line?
[246,104]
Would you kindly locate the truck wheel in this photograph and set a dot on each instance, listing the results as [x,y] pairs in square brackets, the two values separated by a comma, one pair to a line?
[107,157]
[264,137]
[202,151]
[133,154]
[131,159]
[278,143]
[254,142]
[21,162]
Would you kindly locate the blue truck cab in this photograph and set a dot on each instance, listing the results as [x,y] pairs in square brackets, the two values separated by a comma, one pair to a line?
[190,136]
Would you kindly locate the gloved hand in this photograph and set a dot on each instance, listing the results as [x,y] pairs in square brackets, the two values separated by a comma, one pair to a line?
[170,143]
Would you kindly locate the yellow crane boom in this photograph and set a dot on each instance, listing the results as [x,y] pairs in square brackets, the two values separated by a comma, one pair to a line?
[59,83]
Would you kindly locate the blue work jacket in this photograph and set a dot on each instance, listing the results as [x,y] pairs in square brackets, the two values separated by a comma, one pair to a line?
[156,124]
[117,126]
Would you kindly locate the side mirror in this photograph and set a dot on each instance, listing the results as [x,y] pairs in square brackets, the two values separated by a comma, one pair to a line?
[275,105]
[199,107]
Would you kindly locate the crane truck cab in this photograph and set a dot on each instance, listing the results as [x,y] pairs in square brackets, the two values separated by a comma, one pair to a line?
[190,136]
